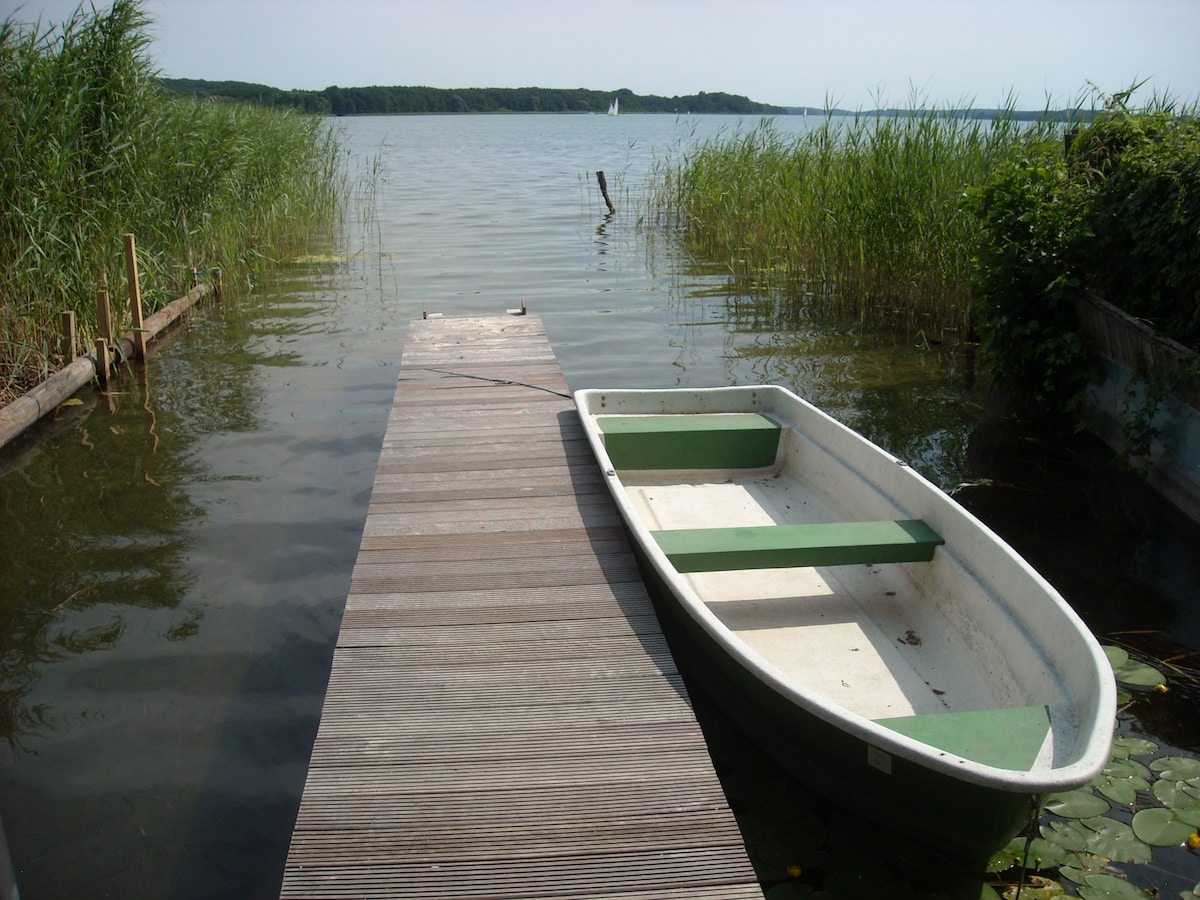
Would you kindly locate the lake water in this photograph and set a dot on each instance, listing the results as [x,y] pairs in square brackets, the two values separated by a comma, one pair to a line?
[175,555]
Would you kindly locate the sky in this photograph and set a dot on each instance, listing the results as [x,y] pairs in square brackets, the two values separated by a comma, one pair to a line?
[854,54]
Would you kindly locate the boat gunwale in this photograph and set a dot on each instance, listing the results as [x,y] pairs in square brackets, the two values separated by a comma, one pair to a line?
[1093,727]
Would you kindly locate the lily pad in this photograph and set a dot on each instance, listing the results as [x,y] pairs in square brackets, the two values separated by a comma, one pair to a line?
[1110,887]
[1160,828]
[1117,841]
[1043,854]
[1036,888]
[1082,865]
[1122,779]
[1078,804]
[1102,836]
[1177,768]
[1070,836]
[1177,794]
[1125,746]
[1117,656]
[1131,671]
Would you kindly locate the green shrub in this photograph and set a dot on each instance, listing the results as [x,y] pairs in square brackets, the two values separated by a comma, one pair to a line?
[1113,208]
[1144,216]
[1031,220]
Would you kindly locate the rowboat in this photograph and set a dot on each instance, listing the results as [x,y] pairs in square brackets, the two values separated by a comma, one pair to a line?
[877,639]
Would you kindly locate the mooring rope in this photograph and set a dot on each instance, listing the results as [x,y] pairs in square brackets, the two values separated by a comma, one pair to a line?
[534,387]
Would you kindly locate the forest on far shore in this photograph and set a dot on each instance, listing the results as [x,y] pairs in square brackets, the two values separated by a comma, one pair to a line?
[340,101]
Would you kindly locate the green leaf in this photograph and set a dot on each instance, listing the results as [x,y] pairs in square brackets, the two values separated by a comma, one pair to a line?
[1122,779]
[1043,854]
[1110,887]
[1177,795]
[1125,746]
[1072,836]
[1082,865]
[1177,768]
[1036,888]
[1139,674]
[1117,841]
[1131,671]
[1160,828]
[1080,804]
[1117,657]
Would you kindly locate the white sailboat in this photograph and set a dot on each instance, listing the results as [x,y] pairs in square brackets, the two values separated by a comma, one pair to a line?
[612,108]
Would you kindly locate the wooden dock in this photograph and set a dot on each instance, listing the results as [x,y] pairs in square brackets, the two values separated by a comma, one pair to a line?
[503,718]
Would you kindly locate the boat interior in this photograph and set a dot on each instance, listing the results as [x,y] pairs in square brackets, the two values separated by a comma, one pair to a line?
[828,582]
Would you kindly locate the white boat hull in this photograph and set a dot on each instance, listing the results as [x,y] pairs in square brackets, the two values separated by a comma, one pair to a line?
[944,694]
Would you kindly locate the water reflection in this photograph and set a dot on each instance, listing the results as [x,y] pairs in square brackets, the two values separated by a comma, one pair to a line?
[170,593]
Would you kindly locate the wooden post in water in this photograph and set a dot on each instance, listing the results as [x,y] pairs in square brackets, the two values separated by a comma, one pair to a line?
[603,182]
[135,297]
[103,316]
[66,341]
[103,362]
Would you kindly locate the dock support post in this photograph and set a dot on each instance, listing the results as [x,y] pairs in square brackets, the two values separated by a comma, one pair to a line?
[103,362]
[66,341]
[103,316]
[135,297]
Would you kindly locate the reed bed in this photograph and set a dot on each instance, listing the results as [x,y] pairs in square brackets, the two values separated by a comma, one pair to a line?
[94,148]
[860,215]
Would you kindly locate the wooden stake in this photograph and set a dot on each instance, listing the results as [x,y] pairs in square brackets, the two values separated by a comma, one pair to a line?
[135,297]
[103,316]
[66,344]
[604,190]
[103,362]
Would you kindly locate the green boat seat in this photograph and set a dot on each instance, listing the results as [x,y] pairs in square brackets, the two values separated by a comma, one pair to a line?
[784,546]
[708,441]
[1009,738]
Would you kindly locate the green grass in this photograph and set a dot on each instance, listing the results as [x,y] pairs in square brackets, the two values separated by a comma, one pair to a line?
[94,149]
[861,214]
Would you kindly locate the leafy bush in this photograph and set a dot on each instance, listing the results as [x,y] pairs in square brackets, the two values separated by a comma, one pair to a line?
[1114,208]
[1031,220]
[1144,216]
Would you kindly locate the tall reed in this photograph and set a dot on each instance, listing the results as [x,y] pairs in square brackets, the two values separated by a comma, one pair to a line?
[861,213]
[93,149]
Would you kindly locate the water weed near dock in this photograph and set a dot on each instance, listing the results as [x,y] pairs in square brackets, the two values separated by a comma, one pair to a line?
[861,213]
[97,149]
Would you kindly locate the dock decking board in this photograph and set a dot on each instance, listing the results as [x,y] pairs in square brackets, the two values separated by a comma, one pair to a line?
[503,717]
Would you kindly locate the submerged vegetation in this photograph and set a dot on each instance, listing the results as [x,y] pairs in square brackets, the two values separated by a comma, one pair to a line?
[94,149]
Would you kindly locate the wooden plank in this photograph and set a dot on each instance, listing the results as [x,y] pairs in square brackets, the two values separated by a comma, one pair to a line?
[503,717]
[809,544]
[701,441]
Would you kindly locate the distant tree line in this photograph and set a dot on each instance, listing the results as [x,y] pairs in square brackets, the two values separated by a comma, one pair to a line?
[340,101]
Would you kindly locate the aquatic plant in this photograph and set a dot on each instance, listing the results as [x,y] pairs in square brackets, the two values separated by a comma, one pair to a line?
[96,149]
[864,213]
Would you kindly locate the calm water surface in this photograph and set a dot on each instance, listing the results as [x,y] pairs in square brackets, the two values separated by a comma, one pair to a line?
[175,555]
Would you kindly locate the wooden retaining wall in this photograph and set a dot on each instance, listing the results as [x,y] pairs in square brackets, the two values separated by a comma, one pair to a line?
[1136,360]
[503,717]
